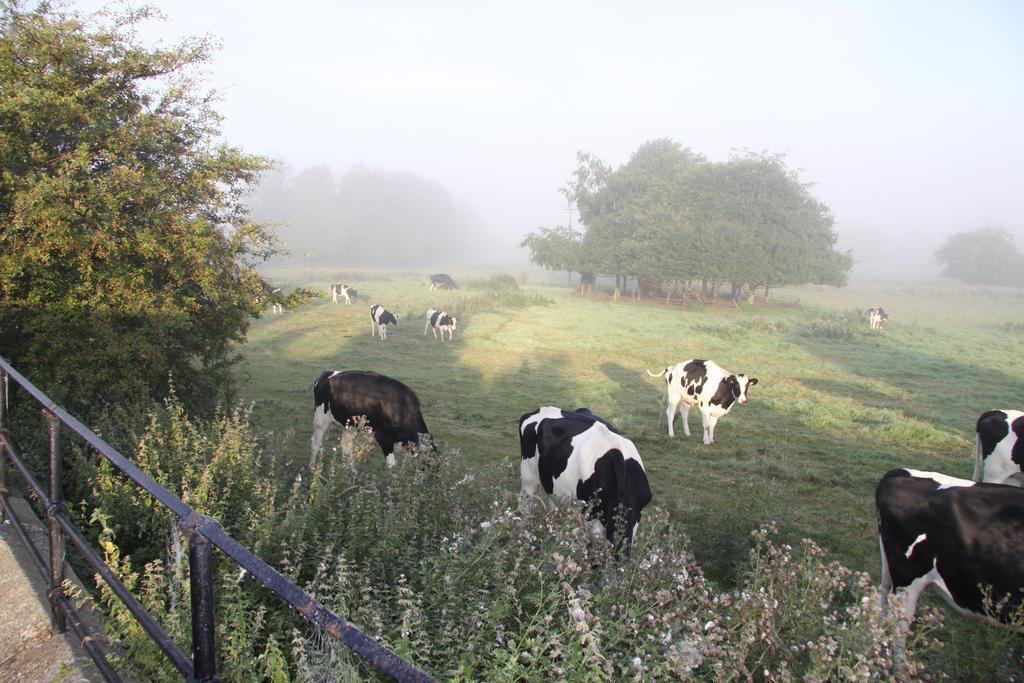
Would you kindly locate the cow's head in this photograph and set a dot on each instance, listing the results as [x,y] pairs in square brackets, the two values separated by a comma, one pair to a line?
[740,384]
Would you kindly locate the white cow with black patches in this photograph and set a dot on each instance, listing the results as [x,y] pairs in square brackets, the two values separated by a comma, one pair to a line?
[577,455]
[440,321]
[963,537]
[704,384]
[999,448]
[380,318]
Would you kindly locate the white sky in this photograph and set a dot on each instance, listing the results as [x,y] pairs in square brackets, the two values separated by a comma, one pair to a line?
[908,116]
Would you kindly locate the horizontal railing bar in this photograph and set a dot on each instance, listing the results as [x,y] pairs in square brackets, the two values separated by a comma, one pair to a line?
[173,652]
[180,660]
[33,552]
[90,644]
[12,455]
[84,637]
[382,658]
[130,469]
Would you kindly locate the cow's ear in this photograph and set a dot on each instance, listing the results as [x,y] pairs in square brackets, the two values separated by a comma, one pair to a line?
[753,380]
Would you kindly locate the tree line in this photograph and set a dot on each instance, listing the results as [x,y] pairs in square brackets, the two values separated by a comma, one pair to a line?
[671,221]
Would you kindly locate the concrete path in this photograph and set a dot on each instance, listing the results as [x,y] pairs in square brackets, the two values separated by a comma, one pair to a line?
[30,650]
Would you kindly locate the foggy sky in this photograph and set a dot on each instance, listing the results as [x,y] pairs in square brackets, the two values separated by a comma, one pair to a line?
[906,115]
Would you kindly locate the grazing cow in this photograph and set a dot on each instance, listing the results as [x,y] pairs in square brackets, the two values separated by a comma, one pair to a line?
[343,291]
[964,537]
[999,448]
[440,320]
[578,455]
[704,384]
[391,409]
[380,318]
[877,317]
[272,296]
[441,281]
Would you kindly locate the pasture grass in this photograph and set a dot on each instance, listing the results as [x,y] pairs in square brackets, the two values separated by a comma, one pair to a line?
[836,406]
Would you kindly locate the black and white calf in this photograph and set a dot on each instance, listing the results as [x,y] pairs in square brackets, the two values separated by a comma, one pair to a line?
[391,409]
[440,320]
[706,385]
[999,448]
[578,455]
[380,318]
[963,537]
[877,317]
[344,291]
[441,281]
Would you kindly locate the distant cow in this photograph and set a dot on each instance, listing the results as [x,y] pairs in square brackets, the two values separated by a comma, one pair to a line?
[440,320]
[441,281]
[578,455]
[877,317]
[271,296]
[704,384]
[999,448]
[391,409]
[380,318]
[343,291]
[965,538]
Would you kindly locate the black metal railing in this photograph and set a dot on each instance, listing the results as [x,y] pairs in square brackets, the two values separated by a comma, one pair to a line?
[203,533]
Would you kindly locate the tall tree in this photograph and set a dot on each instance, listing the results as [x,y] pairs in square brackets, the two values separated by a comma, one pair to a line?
[985,256]
[670,215]
[126,254]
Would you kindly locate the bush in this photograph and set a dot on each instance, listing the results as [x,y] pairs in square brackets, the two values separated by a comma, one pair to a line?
[446,567]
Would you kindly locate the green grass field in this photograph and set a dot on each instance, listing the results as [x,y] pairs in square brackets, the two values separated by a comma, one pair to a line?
[836,405]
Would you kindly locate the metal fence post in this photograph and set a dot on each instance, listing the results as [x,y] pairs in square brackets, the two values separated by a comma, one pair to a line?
[3,427]
[56,533]
[200,564]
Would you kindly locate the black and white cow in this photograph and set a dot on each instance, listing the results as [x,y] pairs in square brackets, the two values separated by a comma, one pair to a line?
[391,409]
[963,537]
[999,447]
[270,295]
[706,385]
[877,317]
[440,320]
[344,291]
[380,318]
[578,455]
[441,281]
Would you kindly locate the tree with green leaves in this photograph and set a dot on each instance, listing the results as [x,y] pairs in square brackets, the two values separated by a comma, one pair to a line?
[669,216]
[126,253]
[985,256]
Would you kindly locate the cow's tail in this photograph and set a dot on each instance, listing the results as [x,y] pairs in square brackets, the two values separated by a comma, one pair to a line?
[657,374]
[978,457]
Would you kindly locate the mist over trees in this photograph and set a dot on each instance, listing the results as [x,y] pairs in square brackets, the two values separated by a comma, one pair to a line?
[985,256]
[674,221]
[367,217]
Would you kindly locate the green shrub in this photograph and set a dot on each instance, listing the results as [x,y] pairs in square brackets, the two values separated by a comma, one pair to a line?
[447,567]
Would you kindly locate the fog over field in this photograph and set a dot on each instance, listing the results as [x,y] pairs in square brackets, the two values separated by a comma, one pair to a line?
[450,126]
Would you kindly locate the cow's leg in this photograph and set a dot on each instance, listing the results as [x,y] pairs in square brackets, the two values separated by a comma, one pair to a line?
[708,421]
[383,332]
[335,293]
[670,413]
[885,588]
[684,412]
[322,420]
[373,328]
[348,438]
[387,445]
[529,476]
